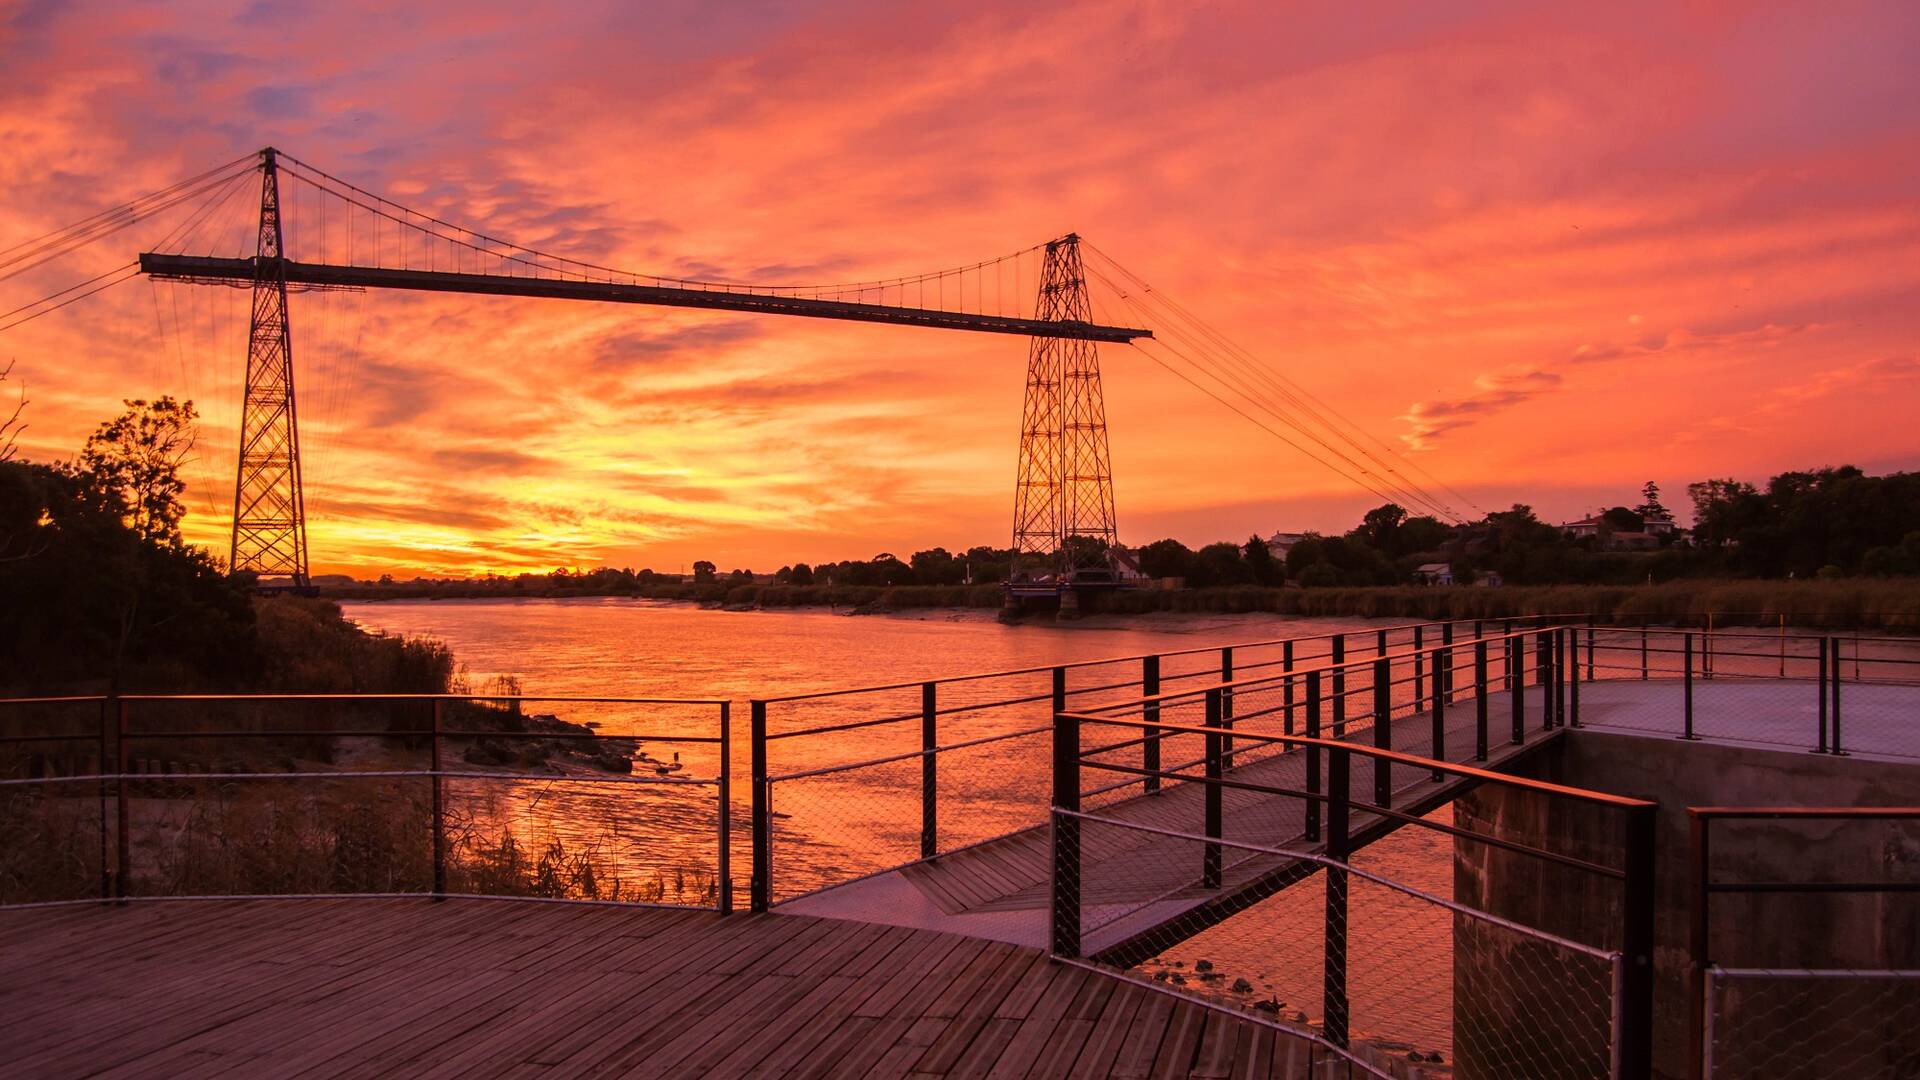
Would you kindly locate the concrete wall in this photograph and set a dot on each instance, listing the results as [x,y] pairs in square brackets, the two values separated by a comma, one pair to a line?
[1881,930]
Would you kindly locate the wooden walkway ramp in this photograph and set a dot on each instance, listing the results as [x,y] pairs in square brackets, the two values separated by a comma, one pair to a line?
[1149,882]
[470,988]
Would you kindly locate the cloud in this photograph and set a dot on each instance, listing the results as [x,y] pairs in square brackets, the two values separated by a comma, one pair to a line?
[1497,392]
[1742,173]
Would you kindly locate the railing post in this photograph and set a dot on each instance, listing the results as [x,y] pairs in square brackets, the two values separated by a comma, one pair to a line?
[439,810]
[123,847]
[110,707]
[1382,731]
[1566,665]
[1821,689]
[1573,675]
[1643,652]
[1517,683]
[1686,658]
[1833,687]
[929,771]
[1380,640]
[1636,945]
[1334,950]
[1215,753]
[1446,638]
[1590,654]
[1419,677]
[1697,944]
[1065,930]
[760,885]
[1442,655]
[724,897]
[1060,688]
[1286,690]
[1543,674]
[1514,666]
[1226,704]
[1339,686]
[1480,699]
[1150,744]
[1313,754]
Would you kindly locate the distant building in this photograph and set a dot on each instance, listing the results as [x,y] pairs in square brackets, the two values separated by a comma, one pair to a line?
[1585,527]
[1282,542]
[1614,539]
[1434,573]
[1126,565]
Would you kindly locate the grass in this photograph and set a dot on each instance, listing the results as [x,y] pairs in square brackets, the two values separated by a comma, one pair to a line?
[239,838]
[1866,603]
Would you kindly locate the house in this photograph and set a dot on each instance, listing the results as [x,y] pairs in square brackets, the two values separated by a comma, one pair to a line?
[1126,565]
[1434,573]
[1585,527]
[1659,525]
[1282,542]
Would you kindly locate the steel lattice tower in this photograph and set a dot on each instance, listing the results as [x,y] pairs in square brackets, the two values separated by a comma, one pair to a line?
[1063,519]
[269,507]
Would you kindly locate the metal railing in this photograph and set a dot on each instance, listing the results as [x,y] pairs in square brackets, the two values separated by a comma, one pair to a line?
[884,776]
[150,769]
[1855,1009]
[1136,878]
[1715,674]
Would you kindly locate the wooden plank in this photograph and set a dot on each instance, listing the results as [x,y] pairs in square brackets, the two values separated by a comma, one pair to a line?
[1184,1028]
[1141,1044]
[353,989]
[986,1048]
[1111,1032]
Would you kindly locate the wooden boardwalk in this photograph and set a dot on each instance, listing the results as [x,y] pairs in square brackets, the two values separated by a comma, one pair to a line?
[1140,885]
[467,988]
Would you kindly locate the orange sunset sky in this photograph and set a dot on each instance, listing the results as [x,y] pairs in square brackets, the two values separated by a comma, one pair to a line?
[1548,251]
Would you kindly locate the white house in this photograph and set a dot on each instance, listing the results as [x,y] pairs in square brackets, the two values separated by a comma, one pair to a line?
[1282,542]
[1434,573]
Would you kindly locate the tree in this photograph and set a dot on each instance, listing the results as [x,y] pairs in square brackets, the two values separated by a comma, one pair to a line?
[801,574]
[1266,569]
[703,572]
[134,460]
[1650,502]
[1723,509]
[1167,558]
[1219,564]
[1319,575]
[1381,525]
[11,427]
[937,566]
[1621,519]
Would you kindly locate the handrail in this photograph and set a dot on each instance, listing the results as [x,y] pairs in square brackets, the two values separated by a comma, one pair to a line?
[1398,757]
[1071,665]
[1341,666]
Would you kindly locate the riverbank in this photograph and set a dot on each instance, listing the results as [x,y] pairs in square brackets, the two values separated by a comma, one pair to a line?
[1862,603]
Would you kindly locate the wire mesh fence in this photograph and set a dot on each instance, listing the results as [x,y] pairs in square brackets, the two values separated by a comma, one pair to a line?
[1792,1023]
[1364,964]
[234,795]
[1801,945]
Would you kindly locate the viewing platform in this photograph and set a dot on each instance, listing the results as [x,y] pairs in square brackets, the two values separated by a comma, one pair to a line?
[1178,865]
[476,987]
